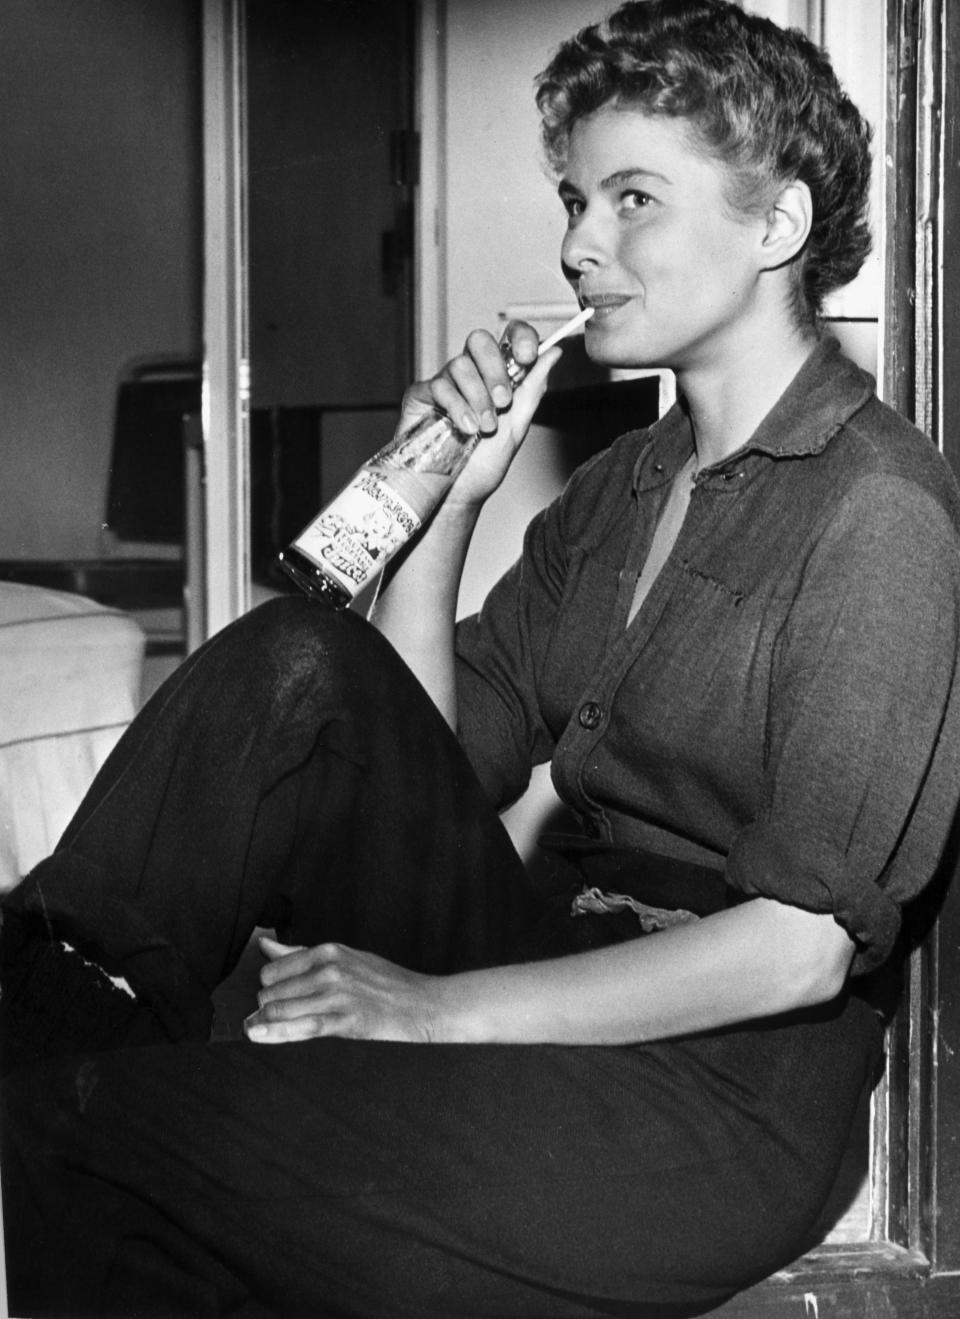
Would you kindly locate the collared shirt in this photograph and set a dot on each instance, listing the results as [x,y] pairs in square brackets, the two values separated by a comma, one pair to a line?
[785,704]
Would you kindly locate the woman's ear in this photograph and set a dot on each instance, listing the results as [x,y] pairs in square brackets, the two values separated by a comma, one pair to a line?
[789,220]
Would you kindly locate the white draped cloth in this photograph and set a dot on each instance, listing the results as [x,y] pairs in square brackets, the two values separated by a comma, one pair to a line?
[70,678]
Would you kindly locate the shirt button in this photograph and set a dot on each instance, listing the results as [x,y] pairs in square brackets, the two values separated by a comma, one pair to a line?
[591,715]
[658,468]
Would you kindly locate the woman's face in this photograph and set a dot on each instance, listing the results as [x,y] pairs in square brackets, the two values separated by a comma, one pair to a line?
[655,248]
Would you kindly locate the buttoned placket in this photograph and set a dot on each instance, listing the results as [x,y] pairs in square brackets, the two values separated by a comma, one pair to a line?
[826,393]
[625,643]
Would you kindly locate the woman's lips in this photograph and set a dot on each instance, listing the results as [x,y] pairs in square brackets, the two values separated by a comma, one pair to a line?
[605,304]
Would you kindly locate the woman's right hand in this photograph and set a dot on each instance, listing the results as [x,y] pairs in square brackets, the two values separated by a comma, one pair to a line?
[473,389]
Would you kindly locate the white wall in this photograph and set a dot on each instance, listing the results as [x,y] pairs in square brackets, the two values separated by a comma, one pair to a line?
[504,224]
[501,222]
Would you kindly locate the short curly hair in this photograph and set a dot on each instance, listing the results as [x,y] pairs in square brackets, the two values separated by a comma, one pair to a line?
[763,99]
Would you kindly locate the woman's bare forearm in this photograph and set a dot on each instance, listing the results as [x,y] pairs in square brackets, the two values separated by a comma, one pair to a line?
[417,604]
[756,960]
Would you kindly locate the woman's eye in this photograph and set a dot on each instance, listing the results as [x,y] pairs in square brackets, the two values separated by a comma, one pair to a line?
[634,200]
[573,207]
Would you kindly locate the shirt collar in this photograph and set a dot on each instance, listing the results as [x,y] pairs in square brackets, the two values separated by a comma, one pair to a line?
[824,394]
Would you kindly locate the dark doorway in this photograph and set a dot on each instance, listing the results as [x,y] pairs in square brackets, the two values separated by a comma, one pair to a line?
[332,167]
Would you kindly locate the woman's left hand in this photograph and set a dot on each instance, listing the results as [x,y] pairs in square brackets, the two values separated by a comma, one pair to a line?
[335,990]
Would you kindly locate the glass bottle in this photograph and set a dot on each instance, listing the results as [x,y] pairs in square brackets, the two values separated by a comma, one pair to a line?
[389,499]
[382,507]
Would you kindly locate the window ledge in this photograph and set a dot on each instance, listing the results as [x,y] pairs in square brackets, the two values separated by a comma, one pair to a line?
[860,1281]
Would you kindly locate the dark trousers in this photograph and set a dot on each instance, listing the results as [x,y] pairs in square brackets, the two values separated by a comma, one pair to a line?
[294,774]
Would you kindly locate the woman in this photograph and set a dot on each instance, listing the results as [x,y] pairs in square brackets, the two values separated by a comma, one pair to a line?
[734,635]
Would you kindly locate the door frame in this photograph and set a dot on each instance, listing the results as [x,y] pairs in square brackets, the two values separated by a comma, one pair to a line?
[224,580]
[430,220]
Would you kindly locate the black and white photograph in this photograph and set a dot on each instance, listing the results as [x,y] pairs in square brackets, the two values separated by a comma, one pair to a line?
[480,659]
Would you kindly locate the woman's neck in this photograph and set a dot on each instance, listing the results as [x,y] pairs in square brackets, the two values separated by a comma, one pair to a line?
[726,405]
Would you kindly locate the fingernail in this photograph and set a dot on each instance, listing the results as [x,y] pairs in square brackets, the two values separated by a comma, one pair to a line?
[501,396]
[257,1032]
[469,423]
[265,940]
[489,420]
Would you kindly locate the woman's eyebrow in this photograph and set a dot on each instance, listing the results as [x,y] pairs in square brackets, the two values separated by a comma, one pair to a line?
[615,180]
[629,175]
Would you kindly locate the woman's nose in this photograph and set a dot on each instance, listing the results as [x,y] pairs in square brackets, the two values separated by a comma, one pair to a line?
[584,247]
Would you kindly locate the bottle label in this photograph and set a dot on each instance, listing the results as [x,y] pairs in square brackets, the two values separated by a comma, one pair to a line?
[359,531]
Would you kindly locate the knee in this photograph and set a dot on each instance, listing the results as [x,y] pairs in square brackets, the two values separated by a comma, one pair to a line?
[299,635]
[298,645]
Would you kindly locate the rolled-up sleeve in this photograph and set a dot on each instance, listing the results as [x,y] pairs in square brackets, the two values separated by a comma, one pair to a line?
[862,768]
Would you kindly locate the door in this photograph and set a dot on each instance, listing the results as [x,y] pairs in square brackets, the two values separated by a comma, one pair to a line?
[310,172]
[331,172]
